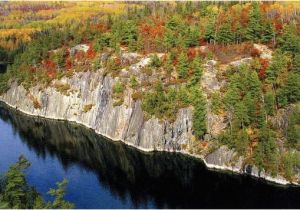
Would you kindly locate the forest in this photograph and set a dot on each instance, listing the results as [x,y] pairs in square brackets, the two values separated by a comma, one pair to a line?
[36,41]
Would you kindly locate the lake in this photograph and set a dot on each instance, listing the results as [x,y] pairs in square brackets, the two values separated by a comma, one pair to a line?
[107,174]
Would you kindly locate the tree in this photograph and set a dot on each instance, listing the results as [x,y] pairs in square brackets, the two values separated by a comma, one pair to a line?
[199,114]
[241,114]
[269,102]
[231,98]
[255,27]
[59,194]
[183,66]
[292,87]
[225,35]
[289,40]
[16,186]
[278,65]
[155,61]
[266,153]
[293,132]
[197,71]
[210,33]
[296,63]
[269,32]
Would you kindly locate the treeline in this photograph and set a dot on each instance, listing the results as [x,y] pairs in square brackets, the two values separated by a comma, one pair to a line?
[15,193]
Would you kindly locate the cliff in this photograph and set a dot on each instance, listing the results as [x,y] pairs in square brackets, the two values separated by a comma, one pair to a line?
[88,99]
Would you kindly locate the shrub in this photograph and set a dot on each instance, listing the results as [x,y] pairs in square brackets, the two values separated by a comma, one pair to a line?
[87,108]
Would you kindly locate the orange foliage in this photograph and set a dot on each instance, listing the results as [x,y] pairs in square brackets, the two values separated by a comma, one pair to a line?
[68,63]
[91,53]
[151,31]
[50,67]
[264,63]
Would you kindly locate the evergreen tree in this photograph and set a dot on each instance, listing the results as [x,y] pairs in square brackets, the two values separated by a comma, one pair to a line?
[292,87]
[16,186]
[293,131]
[59,194]
[255,26]
[289,40]
[210,33]
[278,65]
[197,71]
[296,63]
[266,153]
[269,102]
[269,32]
[225,35]
[183,66]
[241,114]
[199,114]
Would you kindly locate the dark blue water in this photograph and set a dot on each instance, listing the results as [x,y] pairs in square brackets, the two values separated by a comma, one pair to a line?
[106,174]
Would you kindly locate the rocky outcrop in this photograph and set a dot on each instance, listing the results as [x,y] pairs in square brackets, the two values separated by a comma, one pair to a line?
[125,122]
[87,99]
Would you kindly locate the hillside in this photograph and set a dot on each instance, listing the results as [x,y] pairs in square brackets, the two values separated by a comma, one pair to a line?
[220,81]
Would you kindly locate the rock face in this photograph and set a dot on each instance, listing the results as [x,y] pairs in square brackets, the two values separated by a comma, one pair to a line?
[87,98]
[125,122]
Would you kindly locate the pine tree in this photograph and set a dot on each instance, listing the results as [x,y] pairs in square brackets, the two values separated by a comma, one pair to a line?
[266,154]
[16,187]
[199,114]
[269,102]
[292,87]
[59,194]
[241,114]
[255,26]
[225,35]
[169,39]
[269,32]
[296,63]
[293,132]
[197,71]
[183,66]
[210,33]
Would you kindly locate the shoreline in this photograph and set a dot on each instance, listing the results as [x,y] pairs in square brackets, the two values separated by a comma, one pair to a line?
[200,157]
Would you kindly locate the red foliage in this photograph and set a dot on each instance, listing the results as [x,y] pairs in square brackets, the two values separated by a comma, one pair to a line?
[150,31]
[91,53]
[79,56]
[255,52]
[50,67]
[264,63]
[68,63]
[277,22]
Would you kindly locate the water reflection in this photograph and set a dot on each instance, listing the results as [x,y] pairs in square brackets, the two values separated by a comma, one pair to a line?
[166,180]
[3,68]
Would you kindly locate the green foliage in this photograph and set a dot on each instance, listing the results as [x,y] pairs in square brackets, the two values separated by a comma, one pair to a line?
[197,71]
[290,41]
[103,41]
[183,66]
[118,87]
[199,114]
[155,61]
[133,82]
[269,103]
[255,26]
[266,154]
[278,65]
[291,161]
[225,35]
[293,130]
[16,193]
[59,194]
[16,189]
